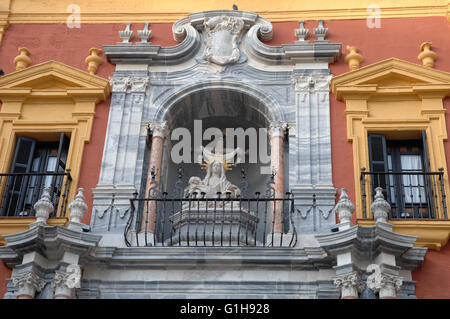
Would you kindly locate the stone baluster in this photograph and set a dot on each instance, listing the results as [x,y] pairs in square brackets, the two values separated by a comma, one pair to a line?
[27,285]
[277,132]
[159,132]
[345,209]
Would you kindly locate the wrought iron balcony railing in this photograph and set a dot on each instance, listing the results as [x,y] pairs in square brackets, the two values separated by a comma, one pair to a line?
[164,219]
[411,194]
[20,191]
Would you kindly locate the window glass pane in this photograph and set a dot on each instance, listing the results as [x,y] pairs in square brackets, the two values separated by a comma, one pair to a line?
[413,184]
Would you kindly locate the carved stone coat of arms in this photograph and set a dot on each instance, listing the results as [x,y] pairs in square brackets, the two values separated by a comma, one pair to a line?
[222,36]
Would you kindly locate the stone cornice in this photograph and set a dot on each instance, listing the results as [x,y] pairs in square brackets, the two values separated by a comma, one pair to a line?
[247,257]
[367,242]
[49,241]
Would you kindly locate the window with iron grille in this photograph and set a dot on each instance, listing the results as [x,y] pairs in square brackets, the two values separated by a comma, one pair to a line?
[35,166]
[401,169]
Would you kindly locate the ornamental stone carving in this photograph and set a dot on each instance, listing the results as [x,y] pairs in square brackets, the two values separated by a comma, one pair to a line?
[353,59]
[119,84]
[380,207]
[301,33]
[222,39]
[43,207]
[145,34]
[126,35]
[28,284]
[345,209]
[78,207]
[159,129]
[93,60]
[386,285]
[65,282]
[350,285]
[139,84]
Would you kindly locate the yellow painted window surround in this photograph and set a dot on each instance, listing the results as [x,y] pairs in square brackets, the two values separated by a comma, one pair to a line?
[398,99]
[39,102]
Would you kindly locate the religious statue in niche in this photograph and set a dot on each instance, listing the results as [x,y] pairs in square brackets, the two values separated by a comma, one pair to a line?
[216,161]
[222,39]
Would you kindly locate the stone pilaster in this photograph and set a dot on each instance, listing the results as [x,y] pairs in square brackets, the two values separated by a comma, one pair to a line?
[313,188]
[121,169]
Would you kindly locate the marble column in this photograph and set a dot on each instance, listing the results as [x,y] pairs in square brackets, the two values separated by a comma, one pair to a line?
[159,133]
[277,132]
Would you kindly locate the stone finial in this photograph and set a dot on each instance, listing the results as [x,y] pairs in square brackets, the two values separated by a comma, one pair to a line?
[145,34]
[126,35]
[77,207]
[301,33]
[353,59]
[380,207]
[93,60]
[427,56]
[320,32]
[23,60]
[345,209]
[43,207]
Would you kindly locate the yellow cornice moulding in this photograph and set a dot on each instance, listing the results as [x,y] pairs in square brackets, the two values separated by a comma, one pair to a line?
[136,11]
[433,234]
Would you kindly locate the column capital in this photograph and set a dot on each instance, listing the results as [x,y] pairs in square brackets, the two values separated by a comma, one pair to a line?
[160,129]
[119,84]
[139,84]
[350,284]
[311,82]
[65,282]
[277,128]
[385,284]
[28,283]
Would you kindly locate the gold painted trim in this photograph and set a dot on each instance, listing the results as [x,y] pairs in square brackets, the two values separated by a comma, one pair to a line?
[70,108]
[433,234]
[136,11]
[13,225]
